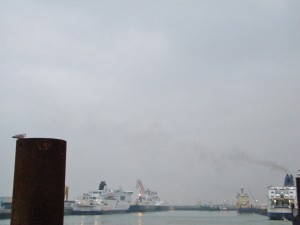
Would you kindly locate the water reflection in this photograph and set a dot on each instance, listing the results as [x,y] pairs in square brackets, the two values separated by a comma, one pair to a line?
[97,222]
[140,221]
[83,220]
[114,219]
[169,218]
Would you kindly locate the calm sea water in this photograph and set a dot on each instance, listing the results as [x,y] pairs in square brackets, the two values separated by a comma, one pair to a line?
[170,218]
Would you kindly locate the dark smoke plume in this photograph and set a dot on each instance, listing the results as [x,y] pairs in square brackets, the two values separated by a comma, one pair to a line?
[240,157]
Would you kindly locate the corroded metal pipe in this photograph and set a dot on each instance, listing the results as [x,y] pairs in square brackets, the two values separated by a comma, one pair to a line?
[296,220]
[39,182]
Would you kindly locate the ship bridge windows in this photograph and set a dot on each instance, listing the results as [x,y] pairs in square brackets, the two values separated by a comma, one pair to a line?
[281,203]
[110,197]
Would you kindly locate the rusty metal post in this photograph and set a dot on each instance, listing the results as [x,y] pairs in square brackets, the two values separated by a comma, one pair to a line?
[39,182]
[296,220]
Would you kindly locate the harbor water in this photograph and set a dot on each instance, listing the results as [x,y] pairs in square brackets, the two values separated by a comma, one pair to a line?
[173,217]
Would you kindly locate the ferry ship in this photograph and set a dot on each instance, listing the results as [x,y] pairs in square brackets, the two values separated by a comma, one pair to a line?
[103,201]
[282,200]
[147,200]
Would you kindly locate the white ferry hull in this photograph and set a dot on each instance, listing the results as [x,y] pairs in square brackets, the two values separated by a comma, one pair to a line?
[97,212]
[280,214]
[111,207]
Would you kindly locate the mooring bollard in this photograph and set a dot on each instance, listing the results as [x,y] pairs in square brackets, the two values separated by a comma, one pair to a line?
[39,182]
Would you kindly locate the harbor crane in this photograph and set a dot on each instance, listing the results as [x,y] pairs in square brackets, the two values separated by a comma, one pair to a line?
[255,200]
[140,186]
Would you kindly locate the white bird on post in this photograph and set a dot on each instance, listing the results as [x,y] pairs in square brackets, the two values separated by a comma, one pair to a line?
[19,136]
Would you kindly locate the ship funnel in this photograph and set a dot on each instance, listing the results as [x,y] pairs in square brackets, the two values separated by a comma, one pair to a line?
[289,181]
[102,185]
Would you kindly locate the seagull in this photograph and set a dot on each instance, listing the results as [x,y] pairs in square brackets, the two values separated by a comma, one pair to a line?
[19,136]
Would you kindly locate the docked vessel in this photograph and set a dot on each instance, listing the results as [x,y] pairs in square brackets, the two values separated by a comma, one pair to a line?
[147,200]
[282,200]
[243,203]
[5,207]
[102,201]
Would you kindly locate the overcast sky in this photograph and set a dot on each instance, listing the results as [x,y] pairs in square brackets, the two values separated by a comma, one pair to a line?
[196,98]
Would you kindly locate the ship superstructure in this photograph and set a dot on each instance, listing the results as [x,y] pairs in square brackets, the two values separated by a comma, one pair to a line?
[282,200]
[103,201]
[243,203]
